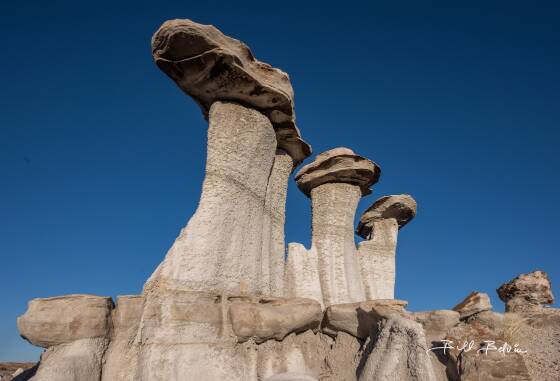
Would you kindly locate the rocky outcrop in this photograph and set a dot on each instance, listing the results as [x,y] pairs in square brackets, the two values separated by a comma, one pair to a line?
[475,354]
[335,181]
[474,303]
[59,320]
[537,332]
[527,292]
[379,225]
[398,352]
[210,67]
[273,319]
[436,323]
[358,319]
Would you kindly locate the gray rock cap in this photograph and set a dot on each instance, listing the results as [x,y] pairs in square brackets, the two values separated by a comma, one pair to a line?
[338,165]
[210,66]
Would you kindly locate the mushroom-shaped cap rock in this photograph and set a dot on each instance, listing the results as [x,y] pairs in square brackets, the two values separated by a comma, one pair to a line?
[401,207]
[210,66]
[338,165]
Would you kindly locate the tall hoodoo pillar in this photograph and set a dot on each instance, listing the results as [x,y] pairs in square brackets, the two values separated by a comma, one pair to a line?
[336,181]
[230,249]
[379,225]
[235,240]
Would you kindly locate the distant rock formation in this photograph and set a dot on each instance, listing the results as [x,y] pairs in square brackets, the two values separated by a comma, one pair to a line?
[527,292]
[226,304]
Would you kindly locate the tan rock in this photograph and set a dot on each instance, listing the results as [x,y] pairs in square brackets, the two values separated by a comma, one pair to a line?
[273,318]
[357,319]
[121,357]
[77,360]
[437,323]
[210,66]
[480,358]
[338,165]
[490,319]
[474,303]
[401,207]
[527,292]
[538,332]
[289,376]
[64,319]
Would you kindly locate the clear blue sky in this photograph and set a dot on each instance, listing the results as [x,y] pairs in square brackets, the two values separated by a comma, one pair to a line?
[102,157]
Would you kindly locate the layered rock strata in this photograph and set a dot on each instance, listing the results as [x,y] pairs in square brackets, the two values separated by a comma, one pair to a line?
[474,303]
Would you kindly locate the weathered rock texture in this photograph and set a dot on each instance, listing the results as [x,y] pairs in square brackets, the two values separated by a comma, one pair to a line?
[274,247]
[538,332]
[379,225]
[475,354]
[221,248]
[527,292]
[75,329]
[210,67]
[52,321]
[335,181]
[474,303]
[357,319]
[398,352]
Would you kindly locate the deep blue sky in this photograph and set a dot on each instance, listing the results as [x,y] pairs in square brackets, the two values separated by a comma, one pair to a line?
[102,157]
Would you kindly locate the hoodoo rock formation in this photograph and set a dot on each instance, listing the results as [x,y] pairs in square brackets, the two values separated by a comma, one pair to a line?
[379,225]
[329,271]
[226,303]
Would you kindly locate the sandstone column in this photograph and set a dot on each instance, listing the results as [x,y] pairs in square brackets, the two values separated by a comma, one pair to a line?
[379,225]
[336,181]
[234,243]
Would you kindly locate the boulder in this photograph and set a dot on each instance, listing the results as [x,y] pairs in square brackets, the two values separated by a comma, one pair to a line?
[338,165]
[273,318]
[64,319]
[474,303]
[527,292]
[210,66]
[358,319]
